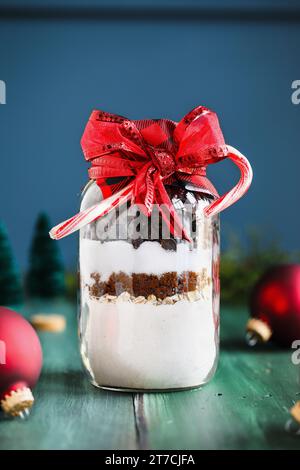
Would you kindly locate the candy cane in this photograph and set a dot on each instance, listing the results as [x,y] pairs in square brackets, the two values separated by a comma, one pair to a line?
[92,213]
[237,192]
[104,207]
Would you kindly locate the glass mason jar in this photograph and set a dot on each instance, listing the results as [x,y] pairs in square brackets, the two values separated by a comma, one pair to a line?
[149,305]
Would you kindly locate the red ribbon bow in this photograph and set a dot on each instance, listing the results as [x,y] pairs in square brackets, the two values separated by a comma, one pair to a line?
[152,153]
[136,159]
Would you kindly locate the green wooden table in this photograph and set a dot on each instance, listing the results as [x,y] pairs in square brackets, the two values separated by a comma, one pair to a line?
[244,407]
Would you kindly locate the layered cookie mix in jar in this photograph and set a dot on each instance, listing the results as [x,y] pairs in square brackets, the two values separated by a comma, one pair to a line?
[149,250]
[149,304]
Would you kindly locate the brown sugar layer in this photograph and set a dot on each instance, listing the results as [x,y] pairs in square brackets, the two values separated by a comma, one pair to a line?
[166,285]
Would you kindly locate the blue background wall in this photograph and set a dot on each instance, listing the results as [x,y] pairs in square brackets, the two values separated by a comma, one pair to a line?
[237,60]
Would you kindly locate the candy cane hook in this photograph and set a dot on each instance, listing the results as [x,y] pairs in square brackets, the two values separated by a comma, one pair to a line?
[237,192]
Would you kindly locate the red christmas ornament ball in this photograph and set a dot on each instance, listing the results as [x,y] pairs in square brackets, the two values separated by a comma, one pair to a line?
[20,362]
[275,303]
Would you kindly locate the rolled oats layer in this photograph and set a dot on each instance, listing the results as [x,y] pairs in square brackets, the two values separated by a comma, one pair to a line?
[191,296]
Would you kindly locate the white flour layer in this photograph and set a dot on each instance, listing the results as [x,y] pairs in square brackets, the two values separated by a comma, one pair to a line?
[150,258]
[144,347]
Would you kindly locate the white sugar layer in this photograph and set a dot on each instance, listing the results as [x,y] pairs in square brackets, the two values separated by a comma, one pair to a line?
[146,347]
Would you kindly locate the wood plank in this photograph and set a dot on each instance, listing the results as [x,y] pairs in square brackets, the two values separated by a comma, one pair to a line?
[69,412]
[244,407]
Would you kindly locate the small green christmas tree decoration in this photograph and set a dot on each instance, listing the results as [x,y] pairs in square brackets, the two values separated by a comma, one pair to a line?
[46,277]
[10,279]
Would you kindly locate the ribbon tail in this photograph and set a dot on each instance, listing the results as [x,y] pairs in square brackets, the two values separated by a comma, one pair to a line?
[92,213]
[175,226]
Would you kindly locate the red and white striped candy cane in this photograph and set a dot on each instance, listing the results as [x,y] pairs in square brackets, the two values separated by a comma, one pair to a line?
[104,207]
[92,213]
[237,192]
